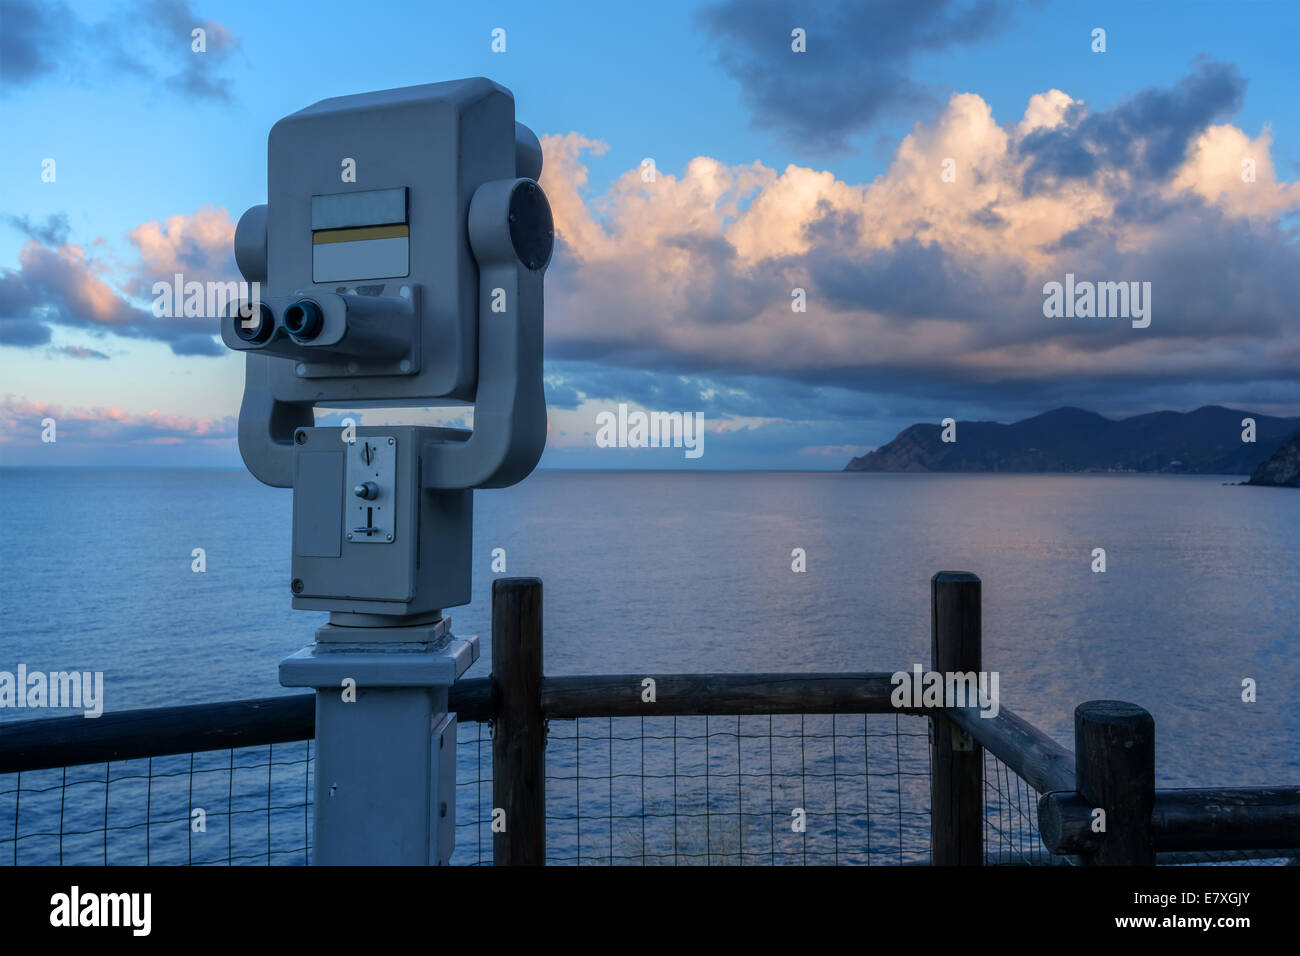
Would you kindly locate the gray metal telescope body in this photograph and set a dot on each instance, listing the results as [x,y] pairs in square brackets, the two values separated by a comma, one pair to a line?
[424,273]
[401,254]
[440,144]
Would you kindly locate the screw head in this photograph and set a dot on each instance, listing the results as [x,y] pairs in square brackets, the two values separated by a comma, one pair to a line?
[390,537]
[300,437]
[349,535]
[296,585]
[390,441]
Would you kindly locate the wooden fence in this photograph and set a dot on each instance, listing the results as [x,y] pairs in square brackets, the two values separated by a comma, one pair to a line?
[1111,770]
[1097,806]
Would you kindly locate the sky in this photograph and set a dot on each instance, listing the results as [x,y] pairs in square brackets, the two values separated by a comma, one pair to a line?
[920,170]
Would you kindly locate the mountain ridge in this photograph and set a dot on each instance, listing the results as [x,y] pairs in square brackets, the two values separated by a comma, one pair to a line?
[1207,440]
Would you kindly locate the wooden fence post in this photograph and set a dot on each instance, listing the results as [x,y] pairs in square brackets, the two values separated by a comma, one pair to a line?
[519,734]
[1115,771]
[957,761]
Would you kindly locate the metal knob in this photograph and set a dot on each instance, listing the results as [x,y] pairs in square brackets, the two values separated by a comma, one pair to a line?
[367,489]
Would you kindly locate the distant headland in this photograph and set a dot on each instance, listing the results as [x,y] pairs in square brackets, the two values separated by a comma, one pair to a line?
[1209,441]
[1282,470]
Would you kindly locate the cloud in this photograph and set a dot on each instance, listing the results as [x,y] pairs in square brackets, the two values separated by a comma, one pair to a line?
[77,351]
[54,232]
[59,283]
[21,424]
[561,393]
[855,68]
[29,41]
[200,244]
[199,75]
[1146,136]
[1219,161]
[838,452]
[927,287]
[151,40]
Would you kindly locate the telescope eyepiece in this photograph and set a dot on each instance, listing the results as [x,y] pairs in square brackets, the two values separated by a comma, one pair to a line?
[257,331]
[303,319]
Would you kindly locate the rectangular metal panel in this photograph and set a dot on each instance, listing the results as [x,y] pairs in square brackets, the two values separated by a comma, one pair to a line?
[365,259]
[318,504]
[371,207]
[372,464]
[373,777]
[443,764]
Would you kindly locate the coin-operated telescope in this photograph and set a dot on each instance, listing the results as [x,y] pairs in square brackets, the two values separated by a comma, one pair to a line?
[401,252]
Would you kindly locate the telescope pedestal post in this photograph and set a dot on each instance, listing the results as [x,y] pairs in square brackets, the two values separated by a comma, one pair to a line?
[385,744]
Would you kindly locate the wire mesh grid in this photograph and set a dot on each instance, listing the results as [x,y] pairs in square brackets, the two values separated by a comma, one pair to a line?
[245,806]
[727,790]
[1234,857]
[1011,835]
[765,790]
[751,790]
[473,795]
[248,805]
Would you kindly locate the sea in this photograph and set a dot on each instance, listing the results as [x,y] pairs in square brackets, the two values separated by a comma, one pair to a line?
[1196,617]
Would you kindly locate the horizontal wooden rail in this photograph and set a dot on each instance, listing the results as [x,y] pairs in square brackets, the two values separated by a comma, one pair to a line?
[1043,763]
[191,728]
[471,700]
[27,745]
[679,695]
[1200,820]
[154,732]
[1186,820]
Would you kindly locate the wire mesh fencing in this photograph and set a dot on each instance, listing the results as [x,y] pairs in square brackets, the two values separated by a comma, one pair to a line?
[473,794]
[1011,836]
[726,790]
[238,806]
[718,790]
[244,806]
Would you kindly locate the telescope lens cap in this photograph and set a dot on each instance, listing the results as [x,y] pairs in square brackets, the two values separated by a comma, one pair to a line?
[532,230]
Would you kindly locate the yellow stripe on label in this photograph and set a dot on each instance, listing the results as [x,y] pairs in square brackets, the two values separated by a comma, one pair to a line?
[363,232]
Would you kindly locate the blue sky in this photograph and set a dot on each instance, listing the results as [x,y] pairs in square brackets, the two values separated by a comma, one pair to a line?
[142,130]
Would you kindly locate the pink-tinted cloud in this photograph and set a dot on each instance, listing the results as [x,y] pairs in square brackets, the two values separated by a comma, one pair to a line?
[77,351]
[22,423]
[61,283]
[198,245]
[835,452]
